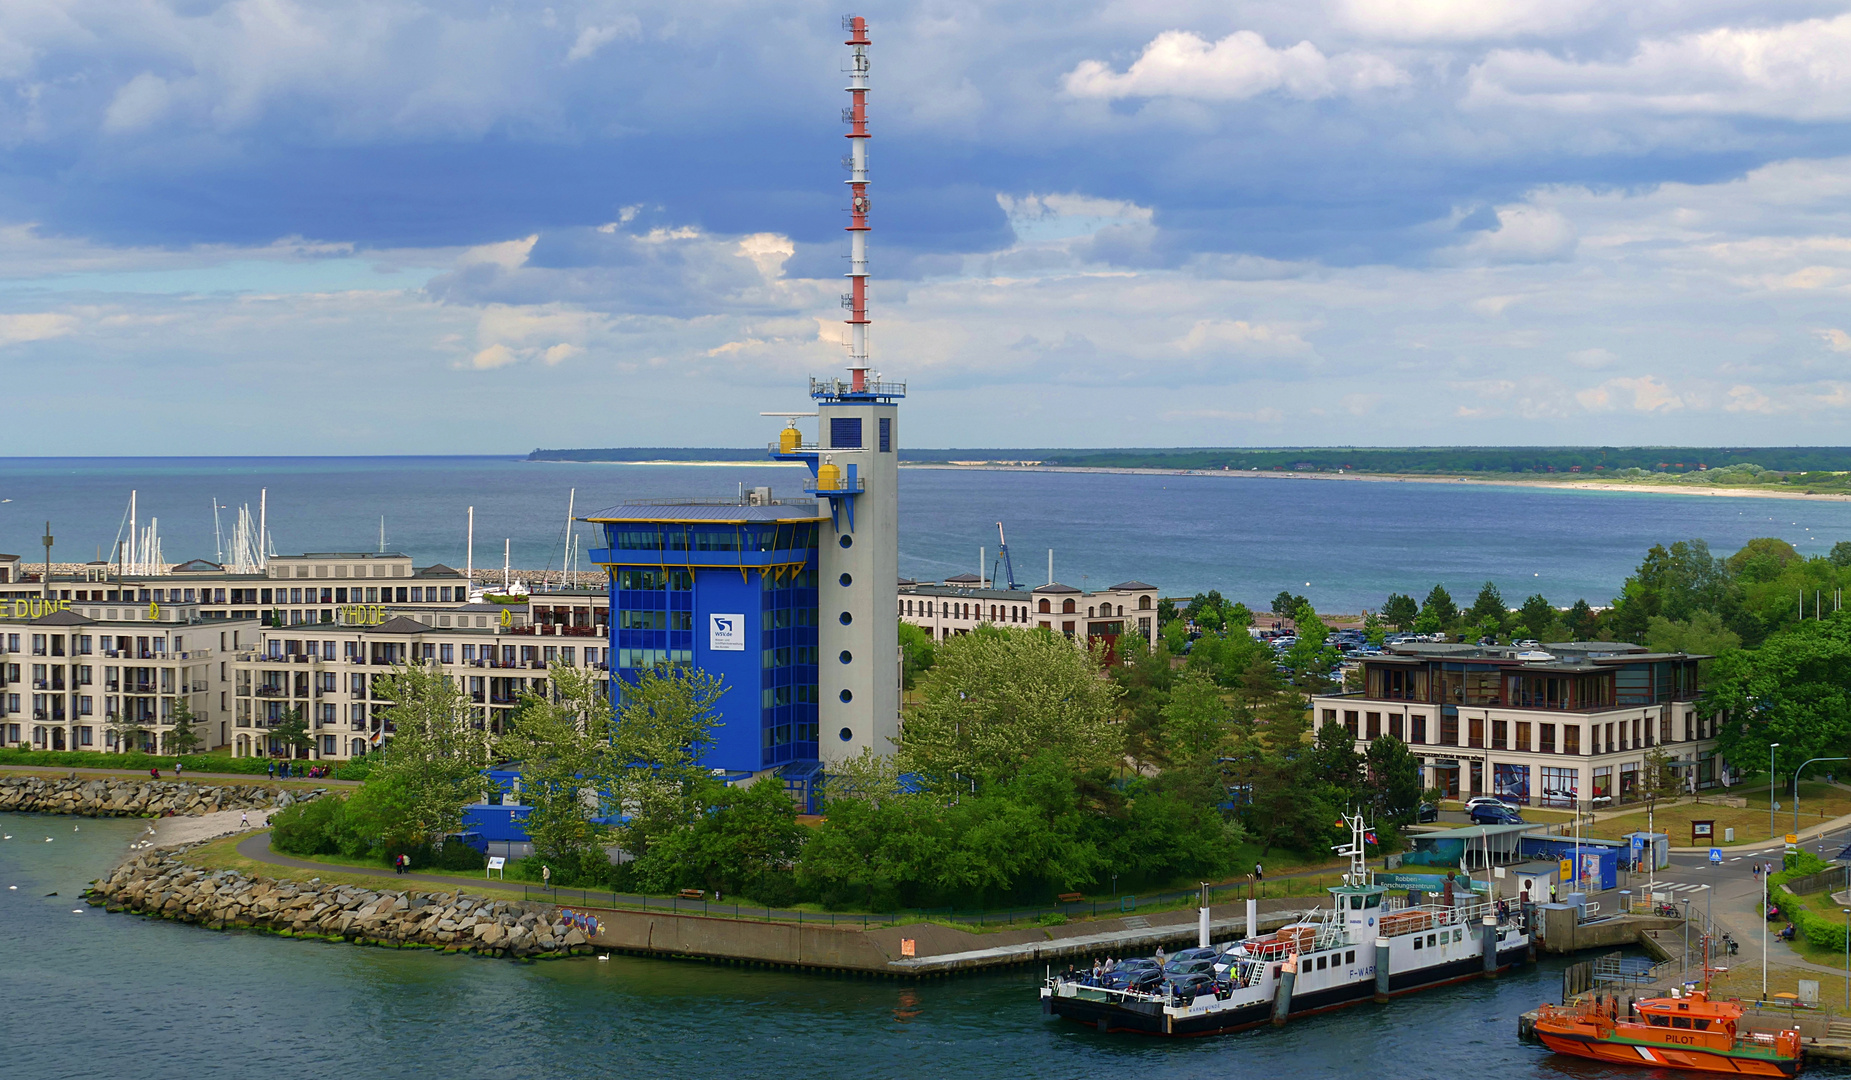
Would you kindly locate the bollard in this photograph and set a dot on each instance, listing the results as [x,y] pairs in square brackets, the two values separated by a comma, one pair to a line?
[1381,970]
[1491,946]
[1202,928]
[1253,917]
[1282,990]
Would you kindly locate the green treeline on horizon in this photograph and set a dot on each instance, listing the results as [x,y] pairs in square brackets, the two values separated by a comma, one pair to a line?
[1442,460]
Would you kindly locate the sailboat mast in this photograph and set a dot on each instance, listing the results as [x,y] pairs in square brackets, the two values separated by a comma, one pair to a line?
[134,564]
[469,558]
[565,557]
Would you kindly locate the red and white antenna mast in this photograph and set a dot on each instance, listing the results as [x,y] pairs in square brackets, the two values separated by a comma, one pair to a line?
[856,115]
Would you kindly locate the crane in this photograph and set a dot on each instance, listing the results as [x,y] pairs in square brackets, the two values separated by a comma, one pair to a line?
[1002,560]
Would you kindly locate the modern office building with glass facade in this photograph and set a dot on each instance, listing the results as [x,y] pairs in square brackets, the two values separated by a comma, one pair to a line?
[728,587]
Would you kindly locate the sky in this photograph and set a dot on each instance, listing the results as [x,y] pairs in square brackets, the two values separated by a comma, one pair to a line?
[385,226]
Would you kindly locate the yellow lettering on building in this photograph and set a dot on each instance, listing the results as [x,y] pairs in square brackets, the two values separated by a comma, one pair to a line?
[362,615]
[38,608]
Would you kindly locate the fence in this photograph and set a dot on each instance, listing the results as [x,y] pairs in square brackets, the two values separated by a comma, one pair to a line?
[1838,877]
[865,920]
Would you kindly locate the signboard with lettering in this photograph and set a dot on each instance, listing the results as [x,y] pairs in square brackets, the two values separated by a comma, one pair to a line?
[496,862]
[1702,832]
[1568,870]
[360,615]
[32,609]
[726,633]
[908,947]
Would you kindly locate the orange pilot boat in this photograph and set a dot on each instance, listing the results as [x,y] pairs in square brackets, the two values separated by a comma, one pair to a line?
[1687,1032]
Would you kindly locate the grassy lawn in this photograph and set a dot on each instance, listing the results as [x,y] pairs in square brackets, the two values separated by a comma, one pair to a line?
[222,854]
[1818,803]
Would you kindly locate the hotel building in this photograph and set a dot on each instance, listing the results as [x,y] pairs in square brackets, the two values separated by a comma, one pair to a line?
[1569,724]
[964,602]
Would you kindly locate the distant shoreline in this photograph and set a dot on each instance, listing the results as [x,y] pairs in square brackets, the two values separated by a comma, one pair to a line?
[1406,478]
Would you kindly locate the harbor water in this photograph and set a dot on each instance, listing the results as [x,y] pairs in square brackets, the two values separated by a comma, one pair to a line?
[91,995]
[1343,544]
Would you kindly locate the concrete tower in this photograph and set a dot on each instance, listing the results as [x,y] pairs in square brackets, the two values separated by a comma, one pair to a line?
[856,473]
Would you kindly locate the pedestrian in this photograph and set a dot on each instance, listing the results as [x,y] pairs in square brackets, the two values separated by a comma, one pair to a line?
[270,770]
[244,820]
[1160,955]
[546,876]
[1259,872]
[716,896]
[155,771]
[176,768]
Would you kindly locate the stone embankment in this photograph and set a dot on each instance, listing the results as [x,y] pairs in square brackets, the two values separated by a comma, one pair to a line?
[162,883]
[101,797]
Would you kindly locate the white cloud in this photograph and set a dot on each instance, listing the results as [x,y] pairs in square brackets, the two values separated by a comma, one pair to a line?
[1525,233]
[493,357]
[593,38]
[1648,395]
[1796,70]
[1592,359]
[507,254]
[36,326]
[1463,20]
[140,102]
[1219,336]
[1836,340]
[1178,63]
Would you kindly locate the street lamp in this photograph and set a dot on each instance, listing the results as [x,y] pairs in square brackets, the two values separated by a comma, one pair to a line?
[1771,747]
[1847,912]
[1796,786]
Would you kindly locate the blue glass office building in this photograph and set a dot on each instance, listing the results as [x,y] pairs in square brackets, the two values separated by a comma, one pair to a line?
[730,588]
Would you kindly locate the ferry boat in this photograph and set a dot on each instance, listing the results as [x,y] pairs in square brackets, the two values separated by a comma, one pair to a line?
[1362,948]
[1680,1032]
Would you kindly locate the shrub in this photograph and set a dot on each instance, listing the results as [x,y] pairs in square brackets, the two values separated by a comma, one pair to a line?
[308,828]
[358,769]
[219,763]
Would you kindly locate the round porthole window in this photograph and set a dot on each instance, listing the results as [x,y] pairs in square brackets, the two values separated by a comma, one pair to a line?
[847,657]
[847,541]
[847,735]
[847,696]
[846,581]
[847,618]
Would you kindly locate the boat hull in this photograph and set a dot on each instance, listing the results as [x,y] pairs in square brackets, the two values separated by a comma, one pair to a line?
[1150,1018]
[1653,1055]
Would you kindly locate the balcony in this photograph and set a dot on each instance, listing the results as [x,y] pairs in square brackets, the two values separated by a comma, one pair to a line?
[270,691]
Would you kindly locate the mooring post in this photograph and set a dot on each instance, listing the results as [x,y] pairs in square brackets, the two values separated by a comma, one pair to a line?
[1491,946]
[1282,990]
[1381,970]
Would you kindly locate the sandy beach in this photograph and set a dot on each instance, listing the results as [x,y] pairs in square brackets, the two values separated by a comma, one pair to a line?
[1402,478]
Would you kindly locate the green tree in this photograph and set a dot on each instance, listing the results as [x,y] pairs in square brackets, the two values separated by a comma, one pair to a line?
[1166,611]
[1312,656]
[1794,690]
[1145,676]
[1539,617]
[994,699]
[1394,781]
[1489,609]
[1703,633]
[1437,611]
[916,652]
[1841,554]
[434,761]
[1286,604]
[184,738]
[1375,631]
[1761,559]
[1674,582]
[746,843]
[129,731]
[562,742]
[1196,721]
[1657,782]
[1400,611]
[292,730]
[1335,762]
[664,729]
[1581,622]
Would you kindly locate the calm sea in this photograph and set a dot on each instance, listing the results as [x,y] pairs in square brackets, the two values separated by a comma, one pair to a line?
[1343,545]
[95,995]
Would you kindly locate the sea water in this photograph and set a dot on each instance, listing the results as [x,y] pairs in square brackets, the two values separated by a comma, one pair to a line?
[91,995]
[1343,544]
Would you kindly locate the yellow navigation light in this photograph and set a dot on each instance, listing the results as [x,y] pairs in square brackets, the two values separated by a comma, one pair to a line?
[828,477]
[790,439]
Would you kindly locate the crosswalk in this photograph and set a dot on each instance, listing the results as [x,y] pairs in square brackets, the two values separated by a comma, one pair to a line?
[1671,886]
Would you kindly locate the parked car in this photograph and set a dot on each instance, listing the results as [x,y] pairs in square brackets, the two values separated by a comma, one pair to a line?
[1207,953]
[1496,814]
[1426,812]
[1477,801]
[1190,987]
[1177,968]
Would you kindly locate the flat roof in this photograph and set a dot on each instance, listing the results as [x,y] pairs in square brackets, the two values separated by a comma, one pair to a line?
[728,513]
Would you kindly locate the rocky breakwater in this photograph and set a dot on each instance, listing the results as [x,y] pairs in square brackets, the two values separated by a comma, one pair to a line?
[102,797]
[162,883]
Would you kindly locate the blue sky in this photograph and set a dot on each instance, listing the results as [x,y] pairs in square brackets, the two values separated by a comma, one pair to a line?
[385,226]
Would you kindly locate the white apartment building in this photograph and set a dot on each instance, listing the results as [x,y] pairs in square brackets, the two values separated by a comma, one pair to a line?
[964,602]
[108,678]
[327,672]
[1568,724]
